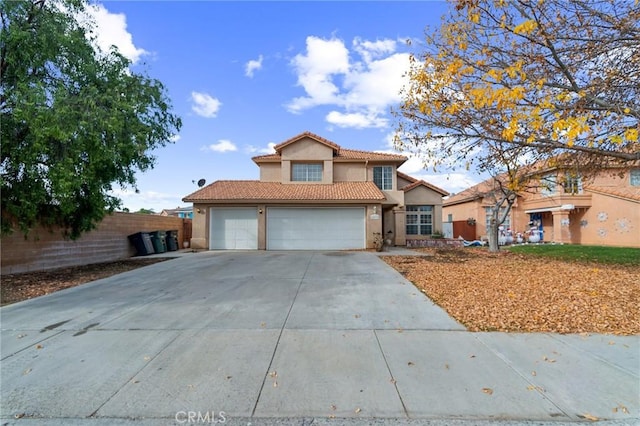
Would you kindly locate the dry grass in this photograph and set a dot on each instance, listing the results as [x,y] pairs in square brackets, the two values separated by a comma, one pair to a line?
[519,293]
[17,287]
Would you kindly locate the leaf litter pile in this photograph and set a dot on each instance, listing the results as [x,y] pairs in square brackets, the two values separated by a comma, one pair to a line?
[517,293]
[17,287]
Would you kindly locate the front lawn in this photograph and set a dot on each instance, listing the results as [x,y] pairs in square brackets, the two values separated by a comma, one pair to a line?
[599,254]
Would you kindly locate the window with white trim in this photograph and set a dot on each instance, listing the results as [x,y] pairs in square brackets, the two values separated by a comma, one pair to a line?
[419,220]
[507,221]
[306,172]
[572,184]
[548,185]
[383,177]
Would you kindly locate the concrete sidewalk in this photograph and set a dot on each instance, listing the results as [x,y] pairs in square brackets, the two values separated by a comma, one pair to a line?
[292,338]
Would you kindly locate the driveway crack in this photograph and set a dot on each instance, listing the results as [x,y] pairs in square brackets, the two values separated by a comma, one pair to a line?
[393,380]
[284,325]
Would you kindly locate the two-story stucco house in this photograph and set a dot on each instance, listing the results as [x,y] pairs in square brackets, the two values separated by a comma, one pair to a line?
[601,210]
[315,195]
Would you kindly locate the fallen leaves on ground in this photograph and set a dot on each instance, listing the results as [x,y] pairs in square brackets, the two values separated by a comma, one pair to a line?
[17,287]
[512,292]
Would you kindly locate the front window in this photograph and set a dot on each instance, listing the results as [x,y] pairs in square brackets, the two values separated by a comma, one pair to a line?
[572,184]
[306,172]
[635,177]
[419,220]
[489,210]
[383,177]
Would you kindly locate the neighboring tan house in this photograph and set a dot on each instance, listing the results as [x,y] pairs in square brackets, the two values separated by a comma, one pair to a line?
[605,210]
[314,194]
[183,212]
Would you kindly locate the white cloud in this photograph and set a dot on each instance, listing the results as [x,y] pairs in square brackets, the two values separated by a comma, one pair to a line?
[356,120]
[323,59]
[223,145]
[270,149]
[373,49]
[111,30]
[378,86]
[363,88]
[252,66]
[205,105]
[174,138]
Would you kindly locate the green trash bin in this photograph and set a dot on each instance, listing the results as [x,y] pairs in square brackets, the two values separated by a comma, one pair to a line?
[172,240]
[159,240]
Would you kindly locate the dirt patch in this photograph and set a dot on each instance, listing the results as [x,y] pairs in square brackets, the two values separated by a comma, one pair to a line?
[518,293]
[17,287]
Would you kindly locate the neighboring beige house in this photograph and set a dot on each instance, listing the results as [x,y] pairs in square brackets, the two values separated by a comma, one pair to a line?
[605,210]
[314,194]
[183,212]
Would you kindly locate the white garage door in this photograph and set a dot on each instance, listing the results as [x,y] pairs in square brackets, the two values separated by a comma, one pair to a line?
[315,228]
[233,228]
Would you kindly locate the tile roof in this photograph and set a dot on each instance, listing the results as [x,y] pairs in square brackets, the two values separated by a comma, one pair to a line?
[339,152]
[407,177]
[353,154]
[307,134]
[629,193]
[229,190]
[345,154]
[472,193]
[425,184]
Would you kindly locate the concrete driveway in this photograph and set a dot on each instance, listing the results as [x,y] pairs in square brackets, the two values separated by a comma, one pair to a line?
[270,337]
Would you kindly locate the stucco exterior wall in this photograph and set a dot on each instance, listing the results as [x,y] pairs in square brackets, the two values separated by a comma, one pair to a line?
[270,172]
[349,172]
[470,210]
[611,221]
[402,182]
[307,149]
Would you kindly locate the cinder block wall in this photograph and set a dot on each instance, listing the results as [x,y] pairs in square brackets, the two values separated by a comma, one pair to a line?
[44,249]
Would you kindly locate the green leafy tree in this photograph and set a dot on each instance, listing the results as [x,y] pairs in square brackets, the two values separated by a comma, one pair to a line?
[145,211]
[74,120]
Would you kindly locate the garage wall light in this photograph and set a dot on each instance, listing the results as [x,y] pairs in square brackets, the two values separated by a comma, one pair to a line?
[260,211]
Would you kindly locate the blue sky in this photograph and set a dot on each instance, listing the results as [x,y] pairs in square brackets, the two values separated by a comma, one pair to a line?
[246,75]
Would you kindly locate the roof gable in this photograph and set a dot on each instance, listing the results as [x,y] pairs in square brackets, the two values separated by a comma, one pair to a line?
[339,153]
[425,184]
[307,135]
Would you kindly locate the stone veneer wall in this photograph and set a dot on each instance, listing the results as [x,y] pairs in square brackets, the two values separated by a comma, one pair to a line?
[44,249]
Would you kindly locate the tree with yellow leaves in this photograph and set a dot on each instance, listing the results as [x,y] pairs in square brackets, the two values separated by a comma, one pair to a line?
[505,83]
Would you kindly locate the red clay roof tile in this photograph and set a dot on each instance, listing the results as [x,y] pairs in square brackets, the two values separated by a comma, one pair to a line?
[229,190]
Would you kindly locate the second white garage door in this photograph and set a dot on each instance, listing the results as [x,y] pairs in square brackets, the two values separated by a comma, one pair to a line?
[315,228]
[233,228]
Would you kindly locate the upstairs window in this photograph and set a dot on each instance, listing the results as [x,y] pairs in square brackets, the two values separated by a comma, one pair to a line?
[383,177]
[572,184]
[634,177]
[302,172]
[548,185]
